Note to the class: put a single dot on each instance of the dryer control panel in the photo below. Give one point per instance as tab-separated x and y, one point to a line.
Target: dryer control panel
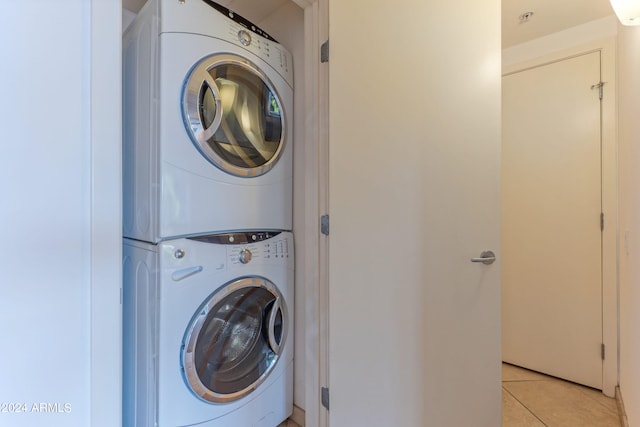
239	19
270	51
255	39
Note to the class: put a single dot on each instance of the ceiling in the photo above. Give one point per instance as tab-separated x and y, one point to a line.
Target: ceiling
549	16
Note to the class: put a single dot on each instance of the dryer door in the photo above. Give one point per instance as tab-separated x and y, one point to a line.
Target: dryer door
233	115
234	340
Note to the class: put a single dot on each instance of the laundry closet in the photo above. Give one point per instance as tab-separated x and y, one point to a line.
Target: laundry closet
252	203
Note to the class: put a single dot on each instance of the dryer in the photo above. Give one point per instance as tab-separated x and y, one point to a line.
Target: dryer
208	105
208	332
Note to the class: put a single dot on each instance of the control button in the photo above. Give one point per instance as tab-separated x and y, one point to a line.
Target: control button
244	37
245	256
231	239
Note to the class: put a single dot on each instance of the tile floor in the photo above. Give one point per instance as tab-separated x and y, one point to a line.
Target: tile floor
288	423
530	399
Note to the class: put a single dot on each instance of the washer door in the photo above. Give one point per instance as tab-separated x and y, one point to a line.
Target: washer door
234	340
233	115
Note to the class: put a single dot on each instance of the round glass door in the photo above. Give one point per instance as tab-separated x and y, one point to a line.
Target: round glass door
234	340
234	115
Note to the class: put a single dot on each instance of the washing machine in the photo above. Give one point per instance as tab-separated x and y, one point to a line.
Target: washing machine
208	331
207	123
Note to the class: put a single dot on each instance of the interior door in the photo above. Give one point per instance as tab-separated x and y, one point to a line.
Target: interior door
552	272
414	194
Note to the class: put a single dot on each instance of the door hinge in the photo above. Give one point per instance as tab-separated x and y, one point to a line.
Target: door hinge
598	86
324	397
324	224
324	52
601	221
602	351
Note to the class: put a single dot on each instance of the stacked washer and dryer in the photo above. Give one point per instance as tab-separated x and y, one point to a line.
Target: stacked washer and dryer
208	249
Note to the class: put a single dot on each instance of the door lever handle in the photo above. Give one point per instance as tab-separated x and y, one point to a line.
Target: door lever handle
486	257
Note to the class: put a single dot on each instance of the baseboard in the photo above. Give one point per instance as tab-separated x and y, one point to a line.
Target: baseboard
297	416
621	412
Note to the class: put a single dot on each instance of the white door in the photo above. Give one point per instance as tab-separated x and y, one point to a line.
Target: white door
414	195
552	273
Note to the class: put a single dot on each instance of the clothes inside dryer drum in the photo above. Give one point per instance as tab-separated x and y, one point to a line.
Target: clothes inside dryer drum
241	117
249	133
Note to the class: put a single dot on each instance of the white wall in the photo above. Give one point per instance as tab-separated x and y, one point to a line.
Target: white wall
60	213
629	158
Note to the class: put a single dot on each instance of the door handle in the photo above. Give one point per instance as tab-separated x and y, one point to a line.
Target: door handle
486	257
274	342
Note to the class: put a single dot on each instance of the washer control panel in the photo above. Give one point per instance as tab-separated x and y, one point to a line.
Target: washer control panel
251	247
237	238
245	256
272	250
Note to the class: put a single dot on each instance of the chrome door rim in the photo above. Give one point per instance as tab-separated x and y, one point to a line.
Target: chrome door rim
196	78
195	326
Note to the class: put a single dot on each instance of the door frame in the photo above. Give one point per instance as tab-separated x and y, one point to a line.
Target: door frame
607	48
316	193
102	23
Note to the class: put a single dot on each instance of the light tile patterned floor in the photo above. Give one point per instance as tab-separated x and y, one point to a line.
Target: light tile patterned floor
288	423
530	399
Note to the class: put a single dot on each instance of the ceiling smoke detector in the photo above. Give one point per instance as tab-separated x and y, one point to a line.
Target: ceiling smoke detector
525	17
